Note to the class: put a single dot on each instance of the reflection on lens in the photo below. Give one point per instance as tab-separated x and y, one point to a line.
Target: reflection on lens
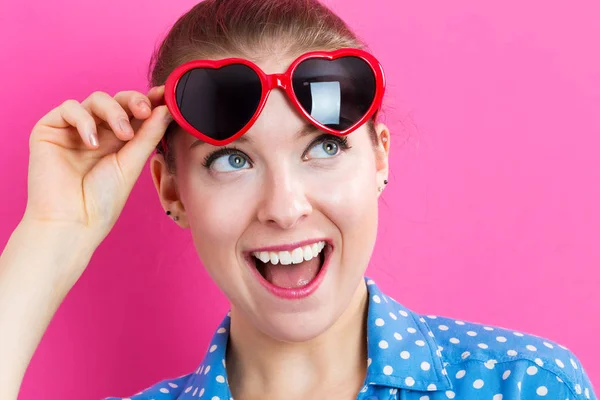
337	93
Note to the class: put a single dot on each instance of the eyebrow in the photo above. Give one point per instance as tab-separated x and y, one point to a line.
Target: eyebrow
306	130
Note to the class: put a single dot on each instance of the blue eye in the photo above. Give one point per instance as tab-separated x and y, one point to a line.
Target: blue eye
230	162
324	149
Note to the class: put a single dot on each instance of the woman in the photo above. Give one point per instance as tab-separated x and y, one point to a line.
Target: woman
280	195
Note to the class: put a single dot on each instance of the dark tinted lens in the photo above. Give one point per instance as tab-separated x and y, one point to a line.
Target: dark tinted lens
336	93
219	102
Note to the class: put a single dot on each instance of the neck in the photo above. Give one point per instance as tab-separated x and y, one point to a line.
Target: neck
259	366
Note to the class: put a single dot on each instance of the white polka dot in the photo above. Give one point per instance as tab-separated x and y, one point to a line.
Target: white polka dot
459	322
478	384
403	313
397	336
186	390
562	347
539	362
573	363
369	361
213	348
518	334
405	355
548	345
425	366
431	387
465	355
220	379
444	371
542	391
223	362
483	345
511	353
201	392
431	317
364	389
422	319
411	330
376	299
578	388
489	364
383	344
532	370
409	381
424	398
420	343
501	339
438	353
558	379
519	385
215	398
461	374
559	363
487	328
164	390
173	385
430	333
393	316
443	328
379	322
587	393
530	347
497	397
450	394
393	391
222	330
454	340
506	374
370	282
472	333
206	369
387	370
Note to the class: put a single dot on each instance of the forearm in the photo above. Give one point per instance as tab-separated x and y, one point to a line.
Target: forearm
38	267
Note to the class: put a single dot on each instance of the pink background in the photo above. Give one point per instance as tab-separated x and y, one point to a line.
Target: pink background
491	214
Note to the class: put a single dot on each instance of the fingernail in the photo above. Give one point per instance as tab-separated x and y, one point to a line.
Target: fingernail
125	127
168	118
144	106
94	139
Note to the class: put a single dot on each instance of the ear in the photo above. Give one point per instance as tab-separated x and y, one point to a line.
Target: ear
166	186
382	153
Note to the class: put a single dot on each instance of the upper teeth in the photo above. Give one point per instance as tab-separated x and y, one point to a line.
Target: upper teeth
296	256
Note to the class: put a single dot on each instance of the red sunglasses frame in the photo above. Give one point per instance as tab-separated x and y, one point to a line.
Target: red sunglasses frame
270	82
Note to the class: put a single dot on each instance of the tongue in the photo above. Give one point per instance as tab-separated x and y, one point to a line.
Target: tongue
293	275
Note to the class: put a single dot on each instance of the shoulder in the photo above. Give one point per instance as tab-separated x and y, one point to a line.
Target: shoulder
473	353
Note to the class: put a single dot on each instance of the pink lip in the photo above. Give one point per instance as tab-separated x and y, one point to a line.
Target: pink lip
294	293
289	247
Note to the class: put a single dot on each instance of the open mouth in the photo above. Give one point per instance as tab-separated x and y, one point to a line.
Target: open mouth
294	273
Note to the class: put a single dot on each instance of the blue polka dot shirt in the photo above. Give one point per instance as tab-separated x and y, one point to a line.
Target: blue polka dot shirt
414	357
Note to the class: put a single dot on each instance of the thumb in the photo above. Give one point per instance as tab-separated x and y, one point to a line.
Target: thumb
133	155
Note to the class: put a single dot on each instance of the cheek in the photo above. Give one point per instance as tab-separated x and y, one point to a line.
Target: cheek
348	197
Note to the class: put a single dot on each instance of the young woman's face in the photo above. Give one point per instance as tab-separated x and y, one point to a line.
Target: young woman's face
282	184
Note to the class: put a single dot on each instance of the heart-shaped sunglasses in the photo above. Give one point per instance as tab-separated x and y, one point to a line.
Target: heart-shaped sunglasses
218	101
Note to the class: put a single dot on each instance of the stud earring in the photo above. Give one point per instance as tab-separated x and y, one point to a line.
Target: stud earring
174	218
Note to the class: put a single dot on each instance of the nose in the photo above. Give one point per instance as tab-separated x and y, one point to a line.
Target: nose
284	203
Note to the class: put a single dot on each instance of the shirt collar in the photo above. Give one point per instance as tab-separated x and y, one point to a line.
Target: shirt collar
402	351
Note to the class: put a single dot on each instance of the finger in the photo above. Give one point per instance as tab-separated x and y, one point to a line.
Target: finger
72	114
133	156
134	103
156	95
108	109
